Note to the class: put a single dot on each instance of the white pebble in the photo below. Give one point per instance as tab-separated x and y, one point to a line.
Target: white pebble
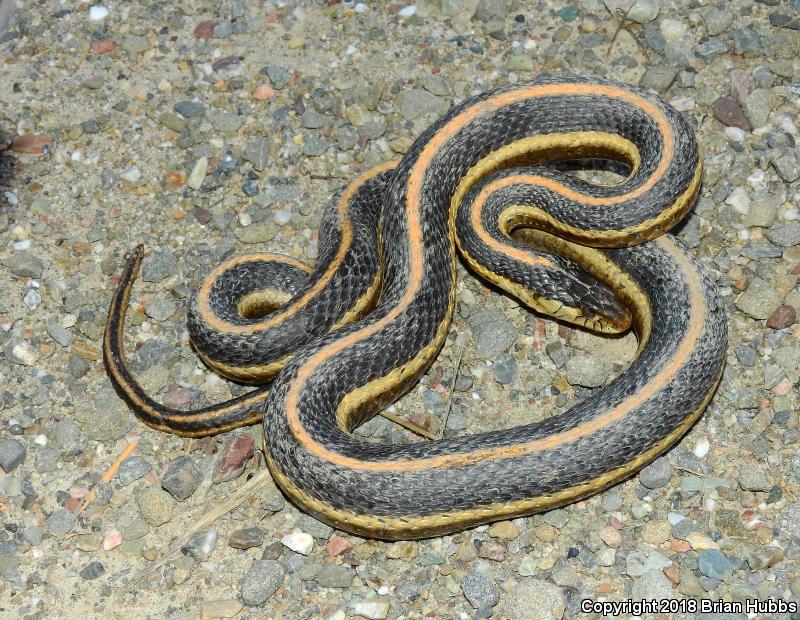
76	156
702	447
374	610
673	30
68	320
790	214
757	180
97	13
683	104
245	219
131	174
337	615
22	245
739	200
360	8
299	542
743	234
40	440
735	134
18	233
283	216
407	11
674	518
198	175
25	353
32	299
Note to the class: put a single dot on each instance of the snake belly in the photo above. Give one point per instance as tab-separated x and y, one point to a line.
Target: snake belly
480	179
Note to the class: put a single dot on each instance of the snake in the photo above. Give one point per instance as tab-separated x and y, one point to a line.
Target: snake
346	337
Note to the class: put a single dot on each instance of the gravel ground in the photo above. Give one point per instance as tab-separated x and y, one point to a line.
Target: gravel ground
208	129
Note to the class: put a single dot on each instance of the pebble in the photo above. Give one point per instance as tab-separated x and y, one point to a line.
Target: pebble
657	474
198	174
658	78
91	571
728	112
59	334
375	609
159	265
786	235
492	333
246	538
753	479
181	478
334	576
201	545
60	522
480	591
190	109
132	469
505	369
759	301
233	457
261	581
414	103
653	585
587	371
25	265
713	563
299	542
161	309
12	455
788	166
785	316
257	153
155	505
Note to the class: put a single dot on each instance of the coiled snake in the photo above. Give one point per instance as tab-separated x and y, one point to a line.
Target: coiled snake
375	309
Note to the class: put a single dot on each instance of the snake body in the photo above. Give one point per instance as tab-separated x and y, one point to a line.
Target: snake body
372	317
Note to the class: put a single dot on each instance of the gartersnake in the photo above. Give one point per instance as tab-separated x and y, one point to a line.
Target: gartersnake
386	267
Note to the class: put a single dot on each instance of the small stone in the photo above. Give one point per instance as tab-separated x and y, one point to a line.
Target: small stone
558	353
89	542
760	300
161	309
786	235
783	317
753	479
299	542
480	591
492	333
700	542
505	369
181	478
335	576
712	563
746	42
374	609
262	92
25	265
728	112
587	371
765	557
656	532
658	78
246	538
504	530
653	585
611	536
643	11
261	581
190	109
92	570
198	174
492	550
112	540
131	469
657	474
60	521
338	546
788	166
155	505
201	545
12	455
415	103
57	332
234	455
257	153
520	62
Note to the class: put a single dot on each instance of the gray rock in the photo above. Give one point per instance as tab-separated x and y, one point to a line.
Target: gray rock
161	308
758	106
246	538
713	563
760	300
159	266
319	530
335	576
505	369
59	522
657	474
786	235
480	591
77	366
111	417
558	353
45	459
257	153
658	78
261	581
133	468
492	333
788	166
181	478
25	265
190	109
155	505
587	371
746	42
93	570
227	122
12	455
717	19
760	248
278	76
60	334
314	145
417	102
535	598
753	479
67	436
201	545
313	120
653	585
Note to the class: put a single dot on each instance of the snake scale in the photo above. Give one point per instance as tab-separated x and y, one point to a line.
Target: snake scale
350	335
